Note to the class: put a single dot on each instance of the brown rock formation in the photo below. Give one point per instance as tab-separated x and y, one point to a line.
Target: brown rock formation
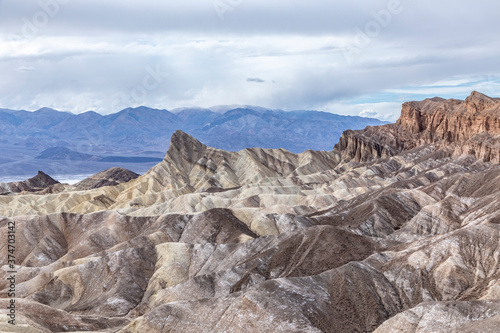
37	183
469	127
109	177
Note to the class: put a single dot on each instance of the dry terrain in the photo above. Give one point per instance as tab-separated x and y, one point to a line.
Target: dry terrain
395	230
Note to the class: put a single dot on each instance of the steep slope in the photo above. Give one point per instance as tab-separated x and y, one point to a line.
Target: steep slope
37	183
470	127
109	177
471	316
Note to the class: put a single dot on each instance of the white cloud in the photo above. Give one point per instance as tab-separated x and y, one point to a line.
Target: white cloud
94	55
369	113
386	111
25	69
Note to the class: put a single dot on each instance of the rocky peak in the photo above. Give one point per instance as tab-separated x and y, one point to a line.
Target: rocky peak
183	145
41	180
109	177
451	120
460	124
478	102
37	183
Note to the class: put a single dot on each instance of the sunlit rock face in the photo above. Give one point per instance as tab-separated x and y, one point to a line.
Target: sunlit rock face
470	127
395	230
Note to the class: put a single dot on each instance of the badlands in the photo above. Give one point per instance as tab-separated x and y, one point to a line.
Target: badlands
397	229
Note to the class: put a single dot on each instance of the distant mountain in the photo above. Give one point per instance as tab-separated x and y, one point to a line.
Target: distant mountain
66	154
130	159
144	128
295	131
62	143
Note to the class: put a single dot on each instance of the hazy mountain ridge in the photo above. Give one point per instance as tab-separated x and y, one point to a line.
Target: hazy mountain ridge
66	154
25	135
152	128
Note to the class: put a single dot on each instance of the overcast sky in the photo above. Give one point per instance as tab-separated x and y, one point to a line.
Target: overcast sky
359	57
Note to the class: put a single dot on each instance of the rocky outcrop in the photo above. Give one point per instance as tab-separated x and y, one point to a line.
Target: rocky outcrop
469	316
451	120
109	177
38	183
370	143
468	127
33	317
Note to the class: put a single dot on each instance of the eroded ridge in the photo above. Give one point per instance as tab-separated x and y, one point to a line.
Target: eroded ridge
395	230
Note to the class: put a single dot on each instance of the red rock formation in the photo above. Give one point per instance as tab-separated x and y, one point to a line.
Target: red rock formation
469	127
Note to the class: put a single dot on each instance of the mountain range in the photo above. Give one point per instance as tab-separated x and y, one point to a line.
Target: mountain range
66	154
396	229
145	132
234	129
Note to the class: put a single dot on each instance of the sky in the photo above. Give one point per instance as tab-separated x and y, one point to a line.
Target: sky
358	57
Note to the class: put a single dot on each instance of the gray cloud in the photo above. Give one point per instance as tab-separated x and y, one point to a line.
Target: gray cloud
325	55
413	19
255	79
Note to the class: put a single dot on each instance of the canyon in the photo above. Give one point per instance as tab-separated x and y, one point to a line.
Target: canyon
397	229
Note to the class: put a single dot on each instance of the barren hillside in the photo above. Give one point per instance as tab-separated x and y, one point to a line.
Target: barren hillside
395	230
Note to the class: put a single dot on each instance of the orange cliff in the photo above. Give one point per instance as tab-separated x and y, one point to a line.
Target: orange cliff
469	127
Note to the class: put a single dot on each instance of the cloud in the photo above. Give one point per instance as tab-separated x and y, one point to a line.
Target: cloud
255	79
369	114
108	56
386	111
25	69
